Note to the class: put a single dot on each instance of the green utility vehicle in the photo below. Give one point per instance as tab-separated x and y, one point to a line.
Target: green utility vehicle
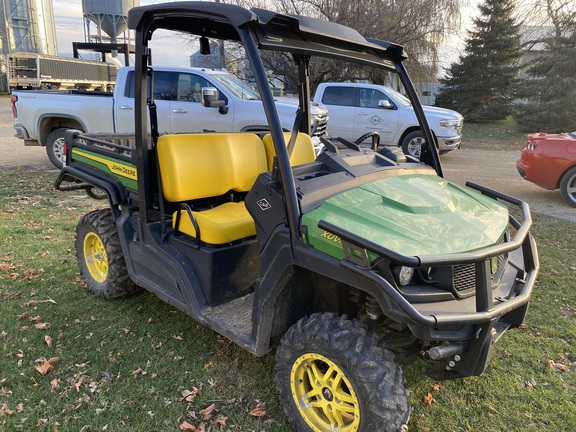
349	261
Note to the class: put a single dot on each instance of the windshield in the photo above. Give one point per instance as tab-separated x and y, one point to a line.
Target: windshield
236	87
399	98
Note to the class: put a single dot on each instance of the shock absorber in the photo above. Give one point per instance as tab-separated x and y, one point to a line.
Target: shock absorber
372	307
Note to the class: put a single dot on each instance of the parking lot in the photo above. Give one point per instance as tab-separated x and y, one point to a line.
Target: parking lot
490	165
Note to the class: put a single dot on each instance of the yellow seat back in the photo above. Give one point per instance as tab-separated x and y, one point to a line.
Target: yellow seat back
194	166
302	153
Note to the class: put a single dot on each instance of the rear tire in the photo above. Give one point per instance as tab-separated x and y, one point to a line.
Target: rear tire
55	147
100	257
332	375
568	187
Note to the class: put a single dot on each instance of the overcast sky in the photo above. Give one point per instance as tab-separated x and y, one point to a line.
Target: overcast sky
70	28
175	52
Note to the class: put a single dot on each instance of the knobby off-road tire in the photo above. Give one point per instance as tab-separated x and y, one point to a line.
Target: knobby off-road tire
100	257
568	187
332	376
55	146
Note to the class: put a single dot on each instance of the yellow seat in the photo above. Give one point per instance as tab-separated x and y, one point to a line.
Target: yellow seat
302	153
195	166
223	224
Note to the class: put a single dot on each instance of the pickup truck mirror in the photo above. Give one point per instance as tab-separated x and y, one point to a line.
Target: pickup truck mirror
385	103
210	98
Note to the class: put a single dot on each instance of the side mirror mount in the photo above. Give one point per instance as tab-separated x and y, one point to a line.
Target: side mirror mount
204	46
210	98
385	103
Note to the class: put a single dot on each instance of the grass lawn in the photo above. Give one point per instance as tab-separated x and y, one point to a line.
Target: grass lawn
504	133
72	362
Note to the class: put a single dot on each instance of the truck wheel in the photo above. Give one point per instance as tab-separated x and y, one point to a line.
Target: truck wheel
55	147
568	187
100	257
333	376
412	143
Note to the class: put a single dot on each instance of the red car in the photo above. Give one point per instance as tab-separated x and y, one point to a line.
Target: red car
549	160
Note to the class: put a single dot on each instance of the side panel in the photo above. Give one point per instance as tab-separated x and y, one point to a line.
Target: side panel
36	109
121	170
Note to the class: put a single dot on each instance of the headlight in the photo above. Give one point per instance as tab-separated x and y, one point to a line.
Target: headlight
449	123
403	275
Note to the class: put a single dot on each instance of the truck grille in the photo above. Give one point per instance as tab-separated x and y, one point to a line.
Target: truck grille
319	124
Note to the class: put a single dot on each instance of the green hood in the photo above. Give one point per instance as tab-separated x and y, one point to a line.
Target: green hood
414	215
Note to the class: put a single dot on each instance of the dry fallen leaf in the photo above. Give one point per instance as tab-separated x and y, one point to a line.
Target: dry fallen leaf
138	371
187	427
259	410
221	421
48	340
42	326
436	387
45	367
189	396
54	384
207	412
557	367
428	399
5	410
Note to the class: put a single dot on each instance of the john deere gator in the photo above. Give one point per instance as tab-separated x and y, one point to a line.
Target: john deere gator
347	258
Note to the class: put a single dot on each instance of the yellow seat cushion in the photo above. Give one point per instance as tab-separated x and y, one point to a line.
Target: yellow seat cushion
223	224
196	166
302	153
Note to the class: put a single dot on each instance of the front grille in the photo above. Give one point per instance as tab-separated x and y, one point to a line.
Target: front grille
319	125
464	277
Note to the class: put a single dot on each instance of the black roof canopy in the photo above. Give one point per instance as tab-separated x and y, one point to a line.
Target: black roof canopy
274	31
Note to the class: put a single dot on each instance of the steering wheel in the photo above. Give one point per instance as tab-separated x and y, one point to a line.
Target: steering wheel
375	139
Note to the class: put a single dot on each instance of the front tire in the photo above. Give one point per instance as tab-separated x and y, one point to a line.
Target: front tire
100	257
332	375
412	144
568	187
56	147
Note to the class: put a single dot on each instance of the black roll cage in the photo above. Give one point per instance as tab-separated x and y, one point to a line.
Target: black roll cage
258	29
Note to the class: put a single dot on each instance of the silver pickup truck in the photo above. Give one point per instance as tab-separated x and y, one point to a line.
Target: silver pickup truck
41	118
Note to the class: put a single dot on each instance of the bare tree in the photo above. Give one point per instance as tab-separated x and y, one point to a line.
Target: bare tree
419	25
560	15
548	91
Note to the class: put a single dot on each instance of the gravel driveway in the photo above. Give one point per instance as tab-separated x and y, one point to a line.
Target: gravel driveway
490	165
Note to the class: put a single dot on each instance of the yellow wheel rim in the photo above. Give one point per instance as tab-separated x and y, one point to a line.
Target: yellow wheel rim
95	257
324	396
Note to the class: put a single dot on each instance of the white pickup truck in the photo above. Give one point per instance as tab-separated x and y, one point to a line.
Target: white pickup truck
41	118
358	108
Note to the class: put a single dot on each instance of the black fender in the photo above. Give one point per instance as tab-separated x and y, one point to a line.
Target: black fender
72	177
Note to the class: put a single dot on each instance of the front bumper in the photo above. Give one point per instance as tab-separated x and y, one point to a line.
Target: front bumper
447	144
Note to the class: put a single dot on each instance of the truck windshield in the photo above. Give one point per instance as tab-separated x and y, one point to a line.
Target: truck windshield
236	87
399	98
